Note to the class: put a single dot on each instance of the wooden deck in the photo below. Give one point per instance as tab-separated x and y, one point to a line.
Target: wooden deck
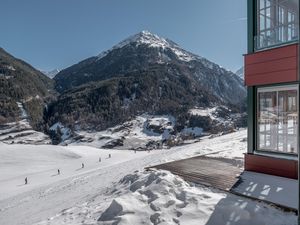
213	172
220	173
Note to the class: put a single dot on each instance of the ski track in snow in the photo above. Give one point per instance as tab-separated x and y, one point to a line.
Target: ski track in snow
81	196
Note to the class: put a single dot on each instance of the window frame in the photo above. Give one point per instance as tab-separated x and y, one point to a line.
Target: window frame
276	88
280	33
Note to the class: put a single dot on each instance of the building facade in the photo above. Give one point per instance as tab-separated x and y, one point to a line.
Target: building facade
272	80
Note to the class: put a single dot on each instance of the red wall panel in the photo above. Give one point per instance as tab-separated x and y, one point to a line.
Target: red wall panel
271	66
270	165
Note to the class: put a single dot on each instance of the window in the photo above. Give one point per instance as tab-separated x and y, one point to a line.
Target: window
277	119
277	22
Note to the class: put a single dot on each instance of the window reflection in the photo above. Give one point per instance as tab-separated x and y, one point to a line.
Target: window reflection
277	22
277	119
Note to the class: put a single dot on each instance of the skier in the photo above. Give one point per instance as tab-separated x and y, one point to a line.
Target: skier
109	155
26	181
58	172
99	159
82	165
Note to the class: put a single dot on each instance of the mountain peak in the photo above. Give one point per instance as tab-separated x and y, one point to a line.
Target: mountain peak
147	37
154	41
51	74
146	33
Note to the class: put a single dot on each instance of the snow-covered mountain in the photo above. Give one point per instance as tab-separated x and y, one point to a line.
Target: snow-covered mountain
51	74
147	74
144	51
241	73
154	41
143	75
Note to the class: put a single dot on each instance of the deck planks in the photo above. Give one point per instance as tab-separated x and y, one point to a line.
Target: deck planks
218	173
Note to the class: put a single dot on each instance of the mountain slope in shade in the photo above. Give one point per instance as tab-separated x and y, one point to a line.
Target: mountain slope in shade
20	82
144	51
143	74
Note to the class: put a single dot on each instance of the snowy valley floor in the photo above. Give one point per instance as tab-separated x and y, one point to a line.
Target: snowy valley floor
118	191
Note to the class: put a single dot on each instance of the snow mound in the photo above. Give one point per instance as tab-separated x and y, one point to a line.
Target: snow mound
159	197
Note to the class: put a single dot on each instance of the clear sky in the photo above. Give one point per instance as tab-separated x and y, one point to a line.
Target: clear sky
53	34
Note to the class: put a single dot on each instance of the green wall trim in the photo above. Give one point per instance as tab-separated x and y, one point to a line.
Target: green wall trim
251	118
251	24
250	90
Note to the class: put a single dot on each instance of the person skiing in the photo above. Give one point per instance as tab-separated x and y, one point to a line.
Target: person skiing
82	165
99	159
58	172
109	155
26	181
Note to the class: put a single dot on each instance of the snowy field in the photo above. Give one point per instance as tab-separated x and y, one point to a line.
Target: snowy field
118	191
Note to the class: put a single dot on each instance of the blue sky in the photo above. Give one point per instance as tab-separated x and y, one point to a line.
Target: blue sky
53	34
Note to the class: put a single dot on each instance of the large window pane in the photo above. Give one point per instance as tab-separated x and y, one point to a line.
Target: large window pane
277	22
277	119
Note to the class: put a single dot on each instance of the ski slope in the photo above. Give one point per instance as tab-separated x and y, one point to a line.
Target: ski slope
117	190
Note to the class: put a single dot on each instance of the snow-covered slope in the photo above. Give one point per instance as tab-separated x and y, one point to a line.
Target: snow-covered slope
118	191
140	133
21	132
146	132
